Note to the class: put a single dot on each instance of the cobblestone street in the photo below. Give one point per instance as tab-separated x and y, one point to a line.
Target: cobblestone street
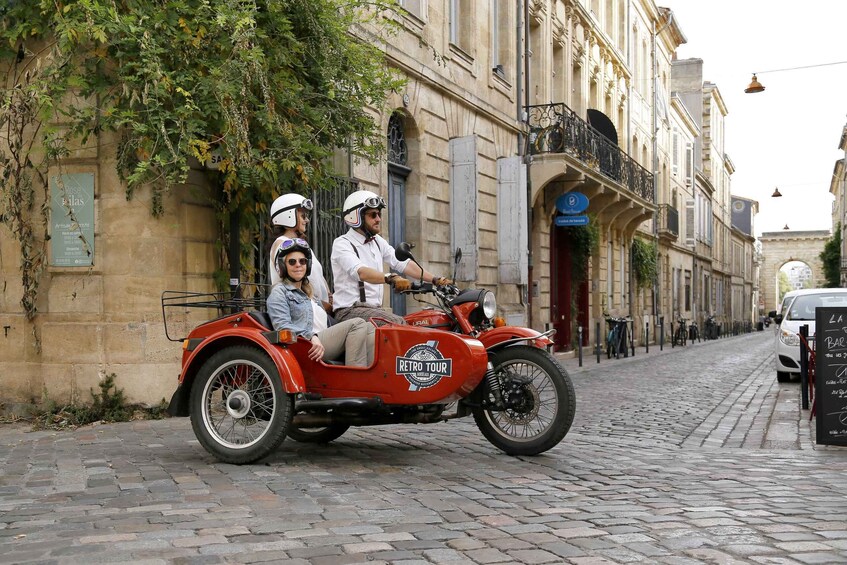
688	455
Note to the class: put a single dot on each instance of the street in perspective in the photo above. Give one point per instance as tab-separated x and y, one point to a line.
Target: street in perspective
690	454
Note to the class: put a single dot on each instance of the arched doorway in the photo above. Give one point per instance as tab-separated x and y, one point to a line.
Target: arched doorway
569	288
398	172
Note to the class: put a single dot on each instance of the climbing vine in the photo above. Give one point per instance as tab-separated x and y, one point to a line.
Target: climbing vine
645	262
269	88
584	241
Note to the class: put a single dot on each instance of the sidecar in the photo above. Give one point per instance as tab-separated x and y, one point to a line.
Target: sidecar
247	387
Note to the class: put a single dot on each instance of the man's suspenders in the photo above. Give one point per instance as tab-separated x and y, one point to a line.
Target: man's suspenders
361	282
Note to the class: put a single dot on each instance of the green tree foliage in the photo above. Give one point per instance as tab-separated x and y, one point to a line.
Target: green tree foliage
831	258
783	283
273	87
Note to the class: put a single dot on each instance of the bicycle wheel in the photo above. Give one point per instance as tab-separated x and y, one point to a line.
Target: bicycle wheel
610	341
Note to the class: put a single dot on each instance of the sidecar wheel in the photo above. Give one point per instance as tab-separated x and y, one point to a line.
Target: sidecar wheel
239	410
540	398
316	435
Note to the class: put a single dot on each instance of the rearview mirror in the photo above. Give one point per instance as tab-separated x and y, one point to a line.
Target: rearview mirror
403	252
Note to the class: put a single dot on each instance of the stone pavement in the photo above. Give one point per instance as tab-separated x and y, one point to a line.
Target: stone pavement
692	455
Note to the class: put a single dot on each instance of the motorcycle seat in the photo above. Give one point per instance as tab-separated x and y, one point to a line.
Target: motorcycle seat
263	318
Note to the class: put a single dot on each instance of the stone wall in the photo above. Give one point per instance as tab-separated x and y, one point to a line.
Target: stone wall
106	319
778	248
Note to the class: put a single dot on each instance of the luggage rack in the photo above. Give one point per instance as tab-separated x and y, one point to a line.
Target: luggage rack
245	297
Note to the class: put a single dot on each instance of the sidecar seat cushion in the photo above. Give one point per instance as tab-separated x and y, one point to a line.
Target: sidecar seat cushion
263	318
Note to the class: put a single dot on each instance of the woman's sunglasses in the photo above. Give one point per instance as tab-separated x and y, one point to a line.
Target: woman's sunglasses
292	261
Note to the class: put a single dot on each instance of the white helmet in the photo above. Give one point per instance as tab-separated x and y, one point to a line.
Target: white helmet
356	203
284	209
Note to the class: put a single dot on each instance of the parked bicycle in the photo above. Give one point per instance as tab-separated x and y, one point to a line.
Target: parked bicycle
617	340
693	332
681	333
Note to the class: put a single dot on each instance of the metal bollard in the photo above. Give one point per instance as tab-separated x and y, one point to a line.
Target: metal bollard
579	338
598	342
662	333
647	338
673	341
632	337
804	367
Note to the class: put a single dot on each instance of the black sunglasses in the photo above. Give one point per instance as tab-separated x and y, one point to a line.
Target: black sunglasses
292	261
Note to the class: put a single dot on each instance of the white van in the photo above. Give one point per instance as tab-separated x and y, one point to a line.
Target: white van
797	311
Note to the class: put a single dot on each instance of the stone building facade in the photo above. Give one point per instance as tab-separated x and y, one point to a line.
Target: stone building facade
507	108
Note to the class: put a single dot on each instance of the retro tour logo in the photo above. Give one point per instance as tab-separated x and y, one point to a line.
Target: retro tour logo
424	366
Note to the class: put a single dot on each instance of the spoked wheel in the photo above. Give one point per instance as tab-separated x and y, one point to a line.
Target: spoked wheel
539	402
316	435
239	410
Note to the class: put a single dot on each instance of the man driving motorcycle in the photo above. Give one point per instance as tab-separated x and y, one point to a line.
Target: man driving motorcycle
357	262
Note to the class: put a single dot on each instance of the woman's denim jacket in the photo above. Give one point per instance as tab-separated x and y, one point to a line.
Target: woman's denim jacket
290	309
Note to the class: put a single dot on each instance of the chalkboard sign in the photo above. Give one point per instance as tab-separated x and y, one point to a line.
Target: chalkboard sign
831	375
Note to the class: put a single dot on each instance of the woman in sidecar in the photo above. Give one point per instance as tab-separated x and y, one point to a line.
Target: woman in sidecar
292	306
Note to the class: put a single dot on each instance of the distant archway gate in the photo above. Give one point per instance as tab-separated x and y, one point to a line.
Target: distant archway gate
778	248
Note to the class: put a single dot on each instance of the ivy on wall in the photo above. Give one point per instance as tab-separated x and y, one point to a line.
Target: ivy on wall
272	87
645	262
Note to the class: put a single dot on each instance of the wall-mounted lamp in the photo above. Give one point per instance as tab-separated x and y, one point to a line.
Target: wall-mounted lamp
776	193
786	227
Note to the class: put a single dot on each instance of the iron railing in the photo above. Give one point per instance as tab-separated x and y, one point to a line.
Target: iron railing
668	219
555	128
327	223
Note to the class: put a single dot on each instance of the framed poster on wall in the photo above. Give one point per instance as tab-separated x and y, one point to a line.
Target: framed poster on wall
72	220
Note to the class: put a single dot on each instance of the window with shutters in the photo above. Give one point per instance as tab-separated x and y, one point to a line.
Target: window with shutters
687	290
512	234
463	204
690	222
502	41
689	165
675	156
415	7
460	29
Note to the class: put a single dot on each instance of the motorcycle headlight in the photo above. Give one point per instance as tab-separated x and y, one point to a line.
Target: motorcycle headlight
489	305
790	339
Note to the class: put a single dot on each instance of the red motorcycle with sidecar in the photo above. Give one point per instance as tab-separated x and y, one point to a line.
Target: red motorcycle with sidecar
246	387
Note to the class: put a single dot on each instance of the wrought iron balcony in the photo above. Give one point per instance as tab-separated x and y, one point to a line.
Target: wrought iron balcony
555	128
668	221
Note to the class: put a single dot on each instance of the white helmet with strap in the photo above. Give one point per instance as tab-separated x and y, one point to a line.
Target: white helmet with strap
284	209
357	203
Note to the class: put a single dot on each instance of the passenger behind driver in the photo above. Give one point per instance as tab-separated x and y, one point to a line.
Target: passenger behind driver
290	218
292	306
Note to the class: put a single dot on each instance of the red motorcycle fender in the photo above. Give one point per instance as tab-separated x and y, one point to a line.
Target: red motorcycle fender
287	365
494	337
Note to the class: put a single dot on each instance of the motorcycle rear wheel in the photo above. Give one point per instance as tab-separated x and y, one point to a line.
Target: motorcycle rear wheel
549	403
239	409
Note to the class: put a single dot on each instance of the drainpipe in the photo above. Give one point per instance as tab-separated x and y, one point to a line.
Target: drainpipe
655	143
523	29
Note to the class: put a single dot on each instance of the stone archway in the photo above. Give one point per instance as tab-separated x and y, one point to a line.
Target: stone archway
778	248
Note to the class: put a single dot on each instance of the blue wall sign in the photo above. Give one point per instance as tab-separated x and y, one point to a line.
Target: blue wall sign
572	203
571	221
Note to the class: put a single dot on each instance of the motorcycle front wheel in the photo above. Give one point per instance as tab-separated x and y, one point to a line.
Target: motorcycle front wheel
540	402
239	410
